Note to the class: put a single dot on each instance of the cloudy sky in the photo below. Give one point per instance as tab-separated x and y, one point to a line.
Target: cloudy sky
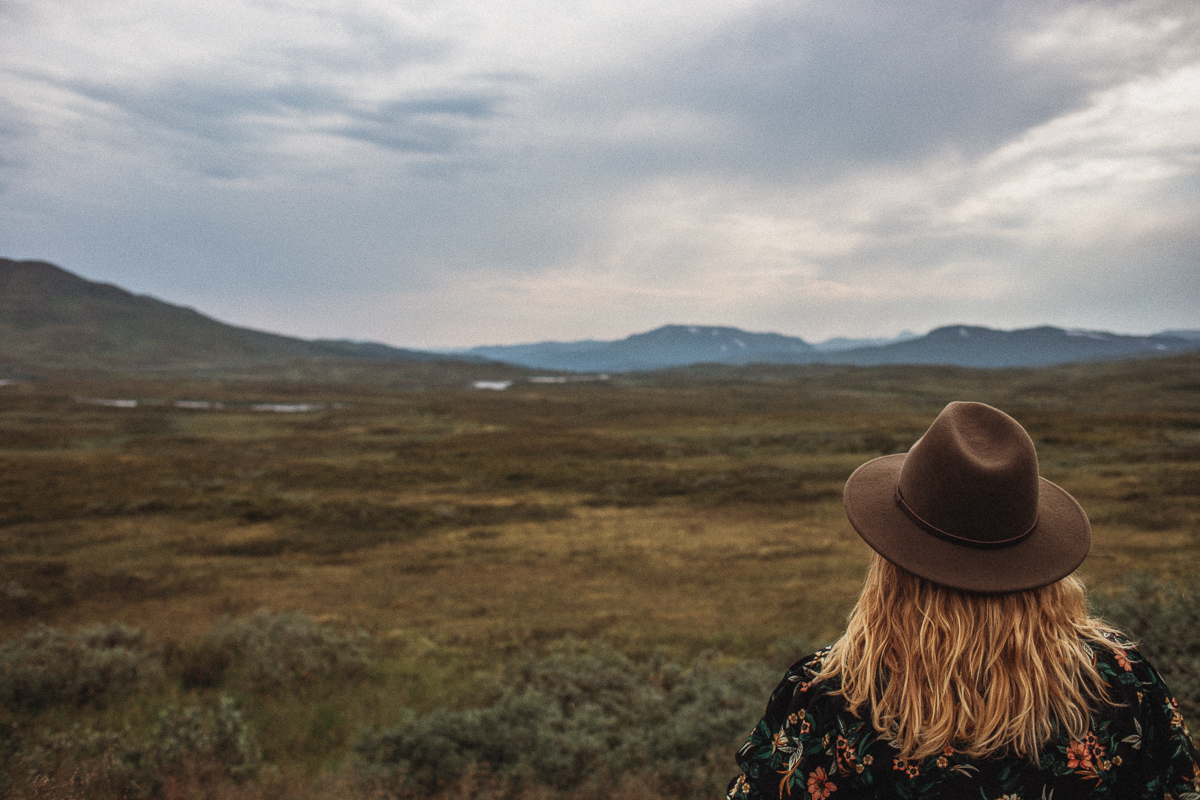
438	173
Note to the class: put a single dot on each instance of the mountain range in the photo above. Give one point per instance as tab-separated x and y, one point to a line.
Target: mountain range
959	345
50	317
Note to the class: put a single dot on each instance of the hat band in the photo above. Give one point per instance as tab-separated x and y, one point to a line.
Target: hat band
999	544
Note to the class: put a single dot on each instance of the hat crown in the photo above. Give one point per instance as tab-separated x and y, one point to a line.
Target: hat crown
973	475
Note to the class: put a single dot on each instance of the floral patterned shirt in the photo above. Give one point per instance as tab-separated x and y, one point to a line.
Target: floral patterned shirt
808	746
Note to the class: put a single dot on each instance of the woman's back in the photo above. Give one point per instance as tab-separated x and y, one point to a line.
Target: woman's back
970	667
810	745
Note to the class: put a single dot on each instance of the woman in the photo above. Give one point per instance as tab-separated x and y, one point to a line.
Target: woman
969	667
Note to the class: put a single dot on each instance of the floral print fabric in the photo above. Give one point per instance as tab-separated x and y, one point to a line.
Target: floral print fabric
808	746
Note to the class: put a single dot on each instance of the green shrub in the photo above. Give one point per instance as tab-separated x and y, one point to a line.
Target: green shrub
583	716
47	666
193	744
216	736
1164	619
271	652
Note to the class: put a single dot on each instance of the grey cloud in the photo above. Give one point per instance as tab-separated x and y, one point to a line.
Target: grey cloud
210	108
463	105
12	126
799	94
210	126
815	88
376	47
223	121
318	236
212	112
434	124
424	139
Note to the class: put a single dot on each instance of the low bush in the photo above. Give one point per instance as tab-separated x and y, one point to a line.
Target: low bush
271	652
578	717
192	745
1164	620
214	737
47	666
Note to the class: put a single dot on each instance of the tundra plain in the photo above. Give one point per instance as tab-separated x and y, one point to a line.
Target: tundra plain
687	513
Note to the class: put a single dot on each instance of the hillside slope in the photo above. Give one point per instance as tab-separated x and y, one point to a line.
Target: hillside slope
51	317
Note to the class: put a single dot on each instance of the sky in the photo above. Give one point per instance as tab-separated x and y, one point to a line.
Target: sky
448	173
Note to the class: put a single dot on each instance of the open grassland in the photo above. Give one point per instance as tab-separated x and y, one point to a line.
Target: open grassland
689	513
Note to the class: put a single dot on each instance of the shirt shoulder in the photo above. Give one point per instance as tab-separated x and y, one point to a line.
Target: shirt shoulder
1149	719
799	686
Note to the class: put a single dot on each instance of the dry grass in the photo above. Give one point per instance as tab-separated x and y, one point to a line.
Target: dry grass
687	511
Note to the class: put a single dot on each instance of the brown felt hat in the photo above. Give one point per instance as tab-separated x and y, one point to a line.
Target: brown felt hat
966	508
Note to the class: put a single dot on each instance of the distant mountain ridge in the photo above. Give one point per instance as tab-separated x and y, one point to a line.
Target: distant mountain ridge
956	345
668	346
1046	345
51	317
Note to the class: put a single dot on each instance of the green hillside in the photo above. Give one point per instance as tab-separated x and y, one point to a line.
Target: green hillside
52	318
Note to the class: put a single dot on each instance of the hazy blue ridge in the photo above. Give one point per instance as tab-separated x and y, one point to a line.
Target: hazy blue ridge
954	345
667	346
974	346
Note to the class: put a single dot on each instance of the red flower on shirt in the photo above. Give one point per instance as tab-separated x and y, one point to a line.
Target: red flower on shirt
1079	755
819	785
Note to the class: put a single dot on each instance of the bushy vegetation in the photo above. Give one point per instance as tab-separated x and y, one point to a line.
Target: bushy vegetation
579	717
47	666
47	670
195	744
269	652
1164	620
579	720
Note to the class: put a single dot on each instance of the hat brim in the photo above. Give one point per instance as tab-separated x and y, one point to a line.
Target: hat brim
1058	544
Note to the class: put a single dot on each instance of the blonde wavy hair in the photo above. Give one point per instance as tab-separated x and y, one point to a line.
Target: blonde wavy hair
987	675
